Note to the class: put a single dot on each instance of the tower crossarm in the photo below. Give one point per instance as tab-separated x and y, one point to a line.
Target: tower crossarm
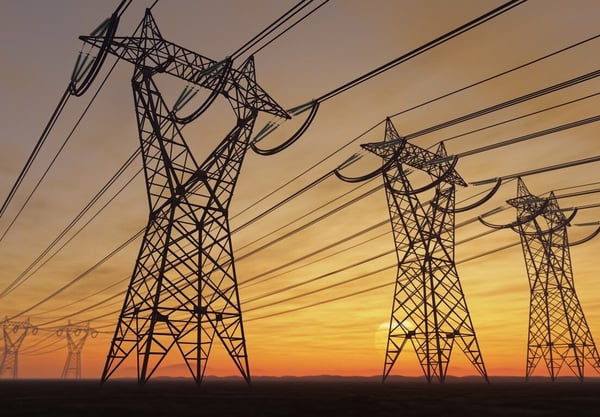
418	158
528	203
189	66
530	206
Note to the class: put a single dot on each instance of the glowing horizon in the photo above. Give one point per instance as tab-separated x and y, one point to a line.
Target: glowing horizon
316	327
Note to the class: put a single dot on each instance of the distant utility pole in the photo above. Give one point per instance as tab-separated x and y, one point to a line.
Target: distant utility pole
558	331
14	333
183	292
76	337
429	308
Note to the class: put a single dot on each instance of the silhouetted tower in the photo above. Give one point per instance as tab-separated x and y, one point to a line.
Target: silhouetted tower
183	291
76	336
558	331
14	333
429	308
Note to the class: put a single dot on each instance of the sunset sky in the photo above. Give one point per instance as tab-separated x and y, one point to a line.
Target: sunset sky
302	330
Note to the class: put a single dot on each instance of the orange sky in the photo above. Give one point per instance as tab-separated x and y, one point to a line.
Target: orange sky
341	41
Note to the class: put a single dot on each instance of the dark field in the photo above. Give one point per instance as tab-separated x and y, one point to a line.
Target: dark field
300	397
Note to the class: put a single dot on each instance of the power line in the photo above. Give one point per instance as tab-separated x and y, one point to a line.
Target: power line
313	211
493	77
579	43
275	25
291	26
294	297
477	256
56	155
70	90
438	98
269	29
562	85
481	129
30	271
529	136
316	220
316	252
44	352
467	153
81	276
505	104
327	157
78	278
19	279
385	253
464	223
337	243
284	201
41	344
313	105
377	287
554	167
36	149
243	256
423	48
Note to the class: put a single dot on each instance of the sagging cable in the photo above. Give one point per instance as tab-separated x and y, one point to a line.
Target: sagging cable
313	106
216	77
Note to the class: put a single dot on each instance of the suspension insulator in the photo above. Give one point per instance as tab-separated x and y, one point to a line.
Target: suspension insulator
223	69
313	106
87	69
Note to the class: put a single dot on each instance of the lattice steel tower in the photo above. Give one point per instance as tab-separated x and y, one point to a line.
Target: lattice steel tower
14	333
558	331
76	336
183	291
429	307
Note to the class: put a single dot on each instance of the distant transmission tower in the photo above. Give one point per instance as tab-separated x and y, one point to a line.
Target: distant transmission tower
76	337
14	333
558	331
183	291
429	307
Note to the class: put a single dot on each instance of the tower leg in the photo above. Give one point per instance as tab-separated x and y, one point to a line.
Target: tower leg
14	334
559	335
429	308
183	293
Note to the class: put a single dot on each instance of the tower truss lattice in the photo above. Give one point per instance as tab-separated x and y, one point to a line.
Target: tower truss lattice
14	333
76	336
429	309
183	292
559	336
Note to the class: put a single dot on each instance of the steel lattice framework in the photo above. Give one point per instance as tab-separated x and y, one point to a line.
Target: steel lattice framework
183	292
429	307
14	333
76	336
558	331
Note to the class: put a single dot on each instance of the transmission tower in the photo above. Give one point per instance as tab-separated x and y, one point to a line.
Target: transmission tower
429	307
183	292
558	331
76	337
14	333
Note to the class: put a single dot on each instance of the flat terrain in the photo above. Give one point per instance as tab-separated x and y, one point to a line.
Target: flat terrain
324	396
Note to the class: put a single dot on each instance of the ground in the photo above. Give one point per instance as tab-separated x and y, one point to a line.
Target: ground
324	396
